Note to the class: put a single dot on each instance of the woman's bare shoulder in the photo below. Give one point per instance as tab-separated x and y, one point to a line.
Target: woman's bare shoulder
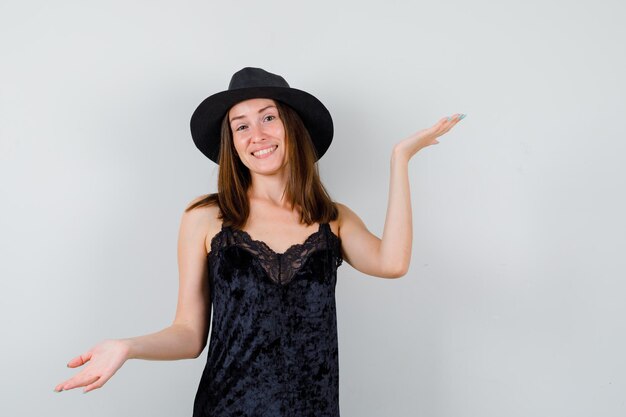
204	218
347	219
343	211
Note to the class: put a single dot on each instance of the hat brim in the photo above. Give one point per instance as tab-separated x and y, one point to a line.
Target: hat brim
206	120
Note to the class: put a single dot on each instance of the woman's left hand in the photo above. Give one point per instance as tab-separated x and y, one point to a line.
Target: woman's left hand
426	137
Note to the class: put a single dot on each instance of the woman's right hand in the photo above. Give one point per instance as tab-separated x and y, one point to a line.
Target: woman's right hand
101	362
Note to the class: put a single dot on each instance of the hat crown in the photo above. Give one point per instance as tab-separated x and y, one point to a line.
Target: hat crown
255	77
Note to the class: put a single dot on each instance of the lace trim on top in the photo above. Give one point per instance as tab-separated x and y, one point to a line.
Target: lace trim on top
281	267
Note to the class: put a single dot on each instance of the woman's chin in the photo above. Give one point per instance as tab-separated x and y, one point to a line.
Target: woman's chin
269	169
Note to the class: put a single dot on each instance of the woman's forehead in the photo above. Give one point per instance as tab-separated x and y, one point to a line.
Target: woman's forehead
252	105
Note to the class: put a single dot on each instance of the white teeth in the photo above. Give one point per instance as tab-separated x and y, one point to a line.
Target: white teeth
264	151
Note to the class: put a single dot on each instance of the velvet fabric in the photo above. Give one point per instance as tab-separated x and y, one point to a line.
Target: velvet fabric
273	348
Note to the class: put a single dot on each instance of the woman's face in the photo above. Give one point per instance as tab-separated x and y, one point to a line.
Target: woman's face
258	135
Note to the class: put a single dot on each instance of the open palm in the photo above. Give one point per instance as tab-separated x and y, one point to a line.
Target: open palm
101	362
426	137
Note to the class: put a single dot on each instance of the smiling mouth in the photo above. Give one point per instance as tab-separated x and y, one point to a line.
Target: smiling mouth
263	152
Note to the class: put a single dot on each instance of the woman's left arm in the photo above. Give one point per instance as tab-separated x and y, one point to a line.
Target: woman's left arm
390	256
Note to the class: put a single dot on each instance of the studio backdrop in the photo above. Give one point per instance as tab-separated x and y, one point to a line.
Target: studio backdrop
513	303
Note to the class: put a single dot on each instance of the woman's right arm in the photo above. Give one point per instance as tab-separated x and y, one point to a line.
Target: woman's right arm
185	338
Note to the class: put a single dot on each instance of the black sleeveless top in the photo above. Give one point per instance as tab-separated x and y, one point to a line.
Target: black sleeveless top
273	342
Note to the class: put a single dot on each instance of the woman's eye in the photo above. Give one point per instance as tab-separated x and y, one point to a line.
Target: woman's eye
270	117
240	127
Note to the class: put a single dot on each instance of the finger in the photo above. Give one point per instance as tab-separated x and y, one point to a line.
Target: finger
457	118
60	387
436	128
79	360
79	380
444	123
97	384
448	126
453	120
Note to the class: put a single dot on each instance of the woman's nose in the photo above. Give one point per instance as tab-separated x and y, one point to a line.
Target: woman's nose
257	133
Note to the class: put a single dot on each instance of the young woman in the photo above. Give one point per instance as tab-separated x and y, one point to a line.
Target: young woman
262	254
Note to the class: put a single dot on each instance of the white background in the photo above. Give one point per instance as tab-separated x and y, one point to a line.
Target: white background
514	301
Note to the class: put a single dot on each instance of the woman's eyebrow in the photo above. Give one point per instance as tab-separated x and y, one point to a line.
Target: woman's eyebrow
260	111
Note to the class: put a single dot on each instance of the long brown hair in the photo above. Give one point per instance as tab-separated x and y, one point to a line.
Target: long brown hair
304	189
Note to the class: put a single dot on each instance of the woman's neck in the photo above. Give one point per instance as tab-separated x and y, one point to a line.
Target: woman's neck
269	188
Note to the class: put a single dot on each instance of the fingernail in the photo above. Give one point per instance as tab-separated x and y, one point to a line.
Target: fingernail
462	116
449	118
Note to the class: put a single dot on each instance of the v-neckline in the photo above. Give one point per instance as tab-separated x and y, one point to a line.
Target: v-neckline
292	247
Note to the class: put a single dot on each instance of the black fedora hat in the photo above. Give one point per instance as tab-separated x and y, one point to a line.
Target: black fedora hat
250	83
